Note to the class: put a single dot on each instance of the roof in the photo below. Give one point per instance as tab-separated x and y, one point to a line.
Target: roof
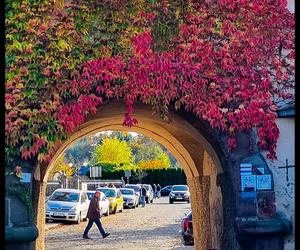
286	108
68	190
112	188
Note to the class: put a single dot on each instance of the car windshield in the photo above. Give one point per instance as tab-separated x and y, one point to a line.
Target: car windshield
65	196
108	192
90	195
126	191
135	188
180	188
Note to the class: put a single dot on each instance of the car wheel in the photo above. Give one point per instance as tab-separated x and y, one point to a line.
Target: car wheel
79	219
170	201
188	201
115	210
47	220
151	201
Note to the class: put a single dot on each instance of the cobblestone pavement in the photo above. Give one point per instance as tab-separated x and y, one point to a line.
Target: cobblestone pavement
154	227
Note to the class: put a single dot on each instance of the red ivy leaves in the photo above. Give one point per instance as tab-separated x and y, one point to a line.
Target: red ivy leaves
227	63
219	67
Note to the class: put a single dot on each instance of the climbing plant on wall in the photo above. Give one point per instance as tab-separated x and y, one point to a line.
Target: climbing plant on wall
227	61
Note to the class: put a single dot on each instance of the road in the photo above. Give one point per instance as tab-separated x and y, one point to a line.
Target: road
155	226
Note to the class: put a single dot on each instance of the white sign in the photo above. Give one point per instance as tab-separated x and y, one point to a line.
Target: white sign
263	182
128	173
248	182
25	177
246	168
95	172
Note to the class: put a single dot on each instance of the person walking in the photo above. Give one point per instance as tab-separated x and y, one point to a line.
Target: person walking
154	191
158	190
143	195
93	215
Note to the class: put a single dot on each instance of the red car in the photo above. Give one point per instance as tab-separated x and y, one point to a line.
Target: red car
186	230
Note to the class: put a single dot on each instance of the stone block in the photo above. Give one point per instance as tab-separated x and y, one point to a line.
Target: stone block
266	207
19	213
247	204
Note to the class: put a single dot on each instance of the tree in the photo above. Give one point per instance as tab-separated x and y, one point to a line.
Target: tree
80	152
61	165
115	153
139	175
152	157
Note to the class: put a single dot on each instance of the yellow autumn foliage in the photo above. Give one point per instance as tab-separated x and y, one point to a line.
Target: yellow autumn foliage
60	165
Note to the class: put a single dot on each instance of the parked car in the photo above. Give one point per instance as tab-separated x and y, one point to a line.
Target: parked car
165	191
67	205
186	230
136	188
115	199
149	195
130	200
103	203
179	193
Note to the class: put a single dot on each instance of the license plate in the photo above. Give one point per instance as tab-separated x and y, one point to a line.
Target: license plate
59	214
179	198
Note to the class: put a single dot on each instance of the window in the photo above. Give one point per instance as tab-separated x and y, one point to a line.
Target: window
127	191
108	192
179	188
64	196
83	198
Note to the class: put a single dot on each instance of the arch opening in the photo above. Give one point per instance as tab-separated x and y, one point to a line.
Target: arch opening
195	155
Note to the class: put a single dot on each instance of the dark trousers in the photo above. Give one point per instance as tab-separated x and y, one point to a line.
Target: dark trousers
90	224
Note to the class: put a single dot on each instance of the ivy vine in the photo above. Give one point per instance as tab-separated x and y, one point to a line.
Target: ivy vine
21	192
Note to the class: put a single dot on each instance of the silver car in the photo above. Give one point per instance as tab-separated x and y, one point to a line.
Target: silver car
149	195
179	193
67	205
129	198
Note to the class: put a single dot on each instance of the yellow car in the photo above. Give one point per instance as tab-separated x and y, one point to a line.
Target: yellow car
115	199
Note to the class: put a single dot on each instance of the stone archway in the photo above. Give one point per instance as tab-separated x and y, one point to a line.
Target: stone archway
195	154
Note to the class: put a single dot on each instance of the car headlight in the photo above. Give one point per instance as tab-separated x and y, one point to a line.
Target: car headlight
73	209
172	194
47	208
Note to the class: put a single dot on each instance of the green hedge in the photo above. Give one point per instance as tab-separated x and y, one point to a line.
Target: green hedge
163	177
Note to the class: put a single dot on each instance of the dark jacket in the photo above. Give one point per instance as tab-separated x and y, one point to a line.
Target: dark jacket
94	209
143	191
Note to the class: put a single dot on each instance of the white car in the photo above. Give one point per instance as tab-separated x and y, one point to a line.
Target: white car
67	205
130	199
103	203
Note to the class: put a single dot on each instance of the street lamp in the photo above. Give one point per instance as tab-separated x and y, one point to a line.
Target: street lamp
63	177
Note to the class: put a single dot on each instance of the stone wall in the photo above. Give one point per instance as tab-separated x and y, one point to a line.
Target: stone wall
284	189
